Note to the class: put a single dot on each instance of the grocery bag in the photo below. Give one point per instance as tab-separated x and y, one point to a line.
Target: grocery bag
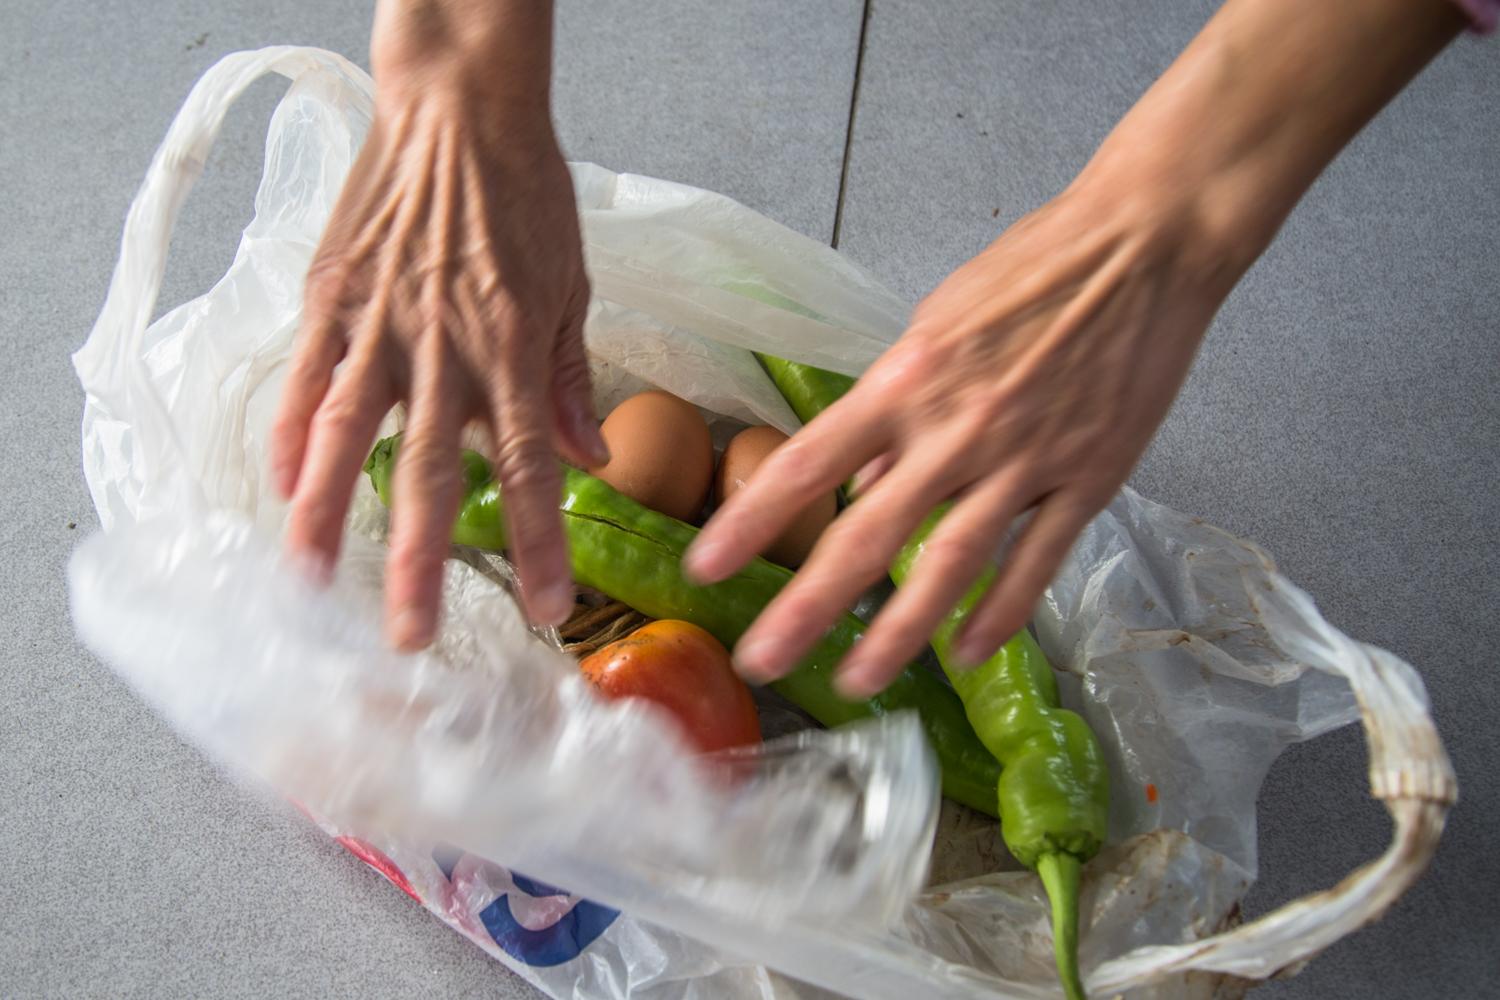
576	840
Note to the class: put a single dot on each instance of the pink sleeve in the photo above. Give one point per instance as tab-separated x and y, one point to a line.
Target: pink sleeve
1483	14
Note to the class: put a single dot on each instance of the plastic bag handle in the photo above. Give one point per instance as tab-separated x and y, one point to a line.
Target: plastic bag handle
1409	771
136	282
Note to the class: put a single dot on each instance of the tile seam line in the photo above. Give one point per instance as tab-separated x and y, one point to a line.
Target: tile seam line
859	65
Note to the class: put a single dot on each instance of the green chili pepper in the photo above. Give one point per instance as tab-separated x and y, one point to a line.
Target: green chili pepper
807	390
634	555
1054	790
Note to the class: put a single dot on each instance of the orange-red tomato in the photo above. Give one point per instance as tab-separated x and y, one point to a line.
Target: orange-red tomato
686	671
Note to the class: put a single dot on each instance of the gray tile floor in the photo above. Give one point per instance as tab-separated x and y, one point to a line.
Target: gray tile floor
1343	413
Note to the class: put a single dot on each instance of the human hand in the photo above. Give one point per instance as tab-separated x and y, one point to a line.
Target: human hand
1034	376
450	276
1031	379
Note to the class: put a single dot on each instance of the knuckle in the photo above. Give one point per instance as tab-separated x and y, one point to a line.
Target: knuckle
304	367
800	466
996	620
507	373
948	553
513	317
1081	505
1049	552
525	463
904	635
487	286
495	378
308	369
897	620
990	420
417	554
915	365
896	528
315	515
425	465
1006	624
1075	442
436	318
327	279
1020	584
340	416
289	424
926	312
862	556
572	373
800	616
999	425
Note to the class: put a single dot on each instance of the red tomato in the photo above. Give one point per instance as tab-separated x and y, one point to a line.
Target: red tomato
686	671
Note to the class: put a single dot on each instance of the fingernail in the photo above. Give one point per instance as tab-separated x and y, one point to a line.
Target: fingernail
586	433
315	567
411	630
552	604
598	454
970	651
698	561
854	685
759	658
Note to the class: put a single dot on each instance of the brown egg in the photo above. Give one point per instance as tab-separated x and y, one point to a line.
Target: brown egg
742	456
660	453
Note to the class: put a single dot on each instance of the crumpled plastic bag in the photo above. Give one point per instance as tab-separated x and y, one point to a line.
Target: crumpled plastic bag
791	871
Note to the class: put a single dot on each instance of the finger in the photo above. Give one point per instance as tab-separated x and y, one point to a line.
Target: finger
341	433
815	461
1026	572
958	550
575	425
360	225
319	350
530	482
868	475
853	553
427	488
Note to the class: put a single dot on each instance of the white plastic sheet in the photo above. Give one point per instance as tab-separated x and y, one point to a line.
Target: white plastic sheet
1195	662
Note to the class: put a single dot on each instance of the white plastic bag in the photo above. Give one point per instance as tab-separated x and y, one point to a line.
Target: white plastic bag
1195	662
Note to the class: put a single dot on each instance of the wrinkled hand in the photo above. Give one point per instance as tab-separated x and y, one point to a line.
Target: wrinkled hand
451	277
1030	380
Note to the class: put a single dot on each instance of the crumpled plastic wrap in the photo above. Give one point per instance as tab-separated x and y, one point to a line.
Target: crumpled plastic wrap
470	773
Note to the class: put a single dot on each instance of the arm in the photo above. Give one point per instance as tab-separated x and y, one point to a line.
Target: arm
451	277
1263	100
1034	376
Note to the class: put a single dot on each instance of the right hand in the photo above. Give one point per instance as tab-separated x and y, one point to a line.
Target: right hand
451	276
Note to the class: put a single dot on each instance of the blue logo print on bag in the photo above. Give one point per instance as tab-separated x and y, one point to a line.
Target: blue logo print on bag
561	941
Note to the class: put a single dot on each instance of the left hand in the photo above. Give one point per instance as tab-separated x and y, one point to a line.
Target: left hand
1030	380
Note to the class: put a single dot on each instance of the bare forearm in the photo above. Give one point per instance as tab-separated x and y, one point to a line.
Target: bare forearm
1263	100
499	51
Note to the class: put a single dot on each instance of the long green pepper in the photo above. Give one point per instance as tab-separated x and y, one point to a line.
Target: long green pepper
634	555
1054	790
